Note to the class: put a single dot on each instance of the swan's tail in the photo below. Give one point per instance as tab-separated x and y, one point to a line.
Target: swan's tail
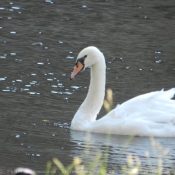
169	94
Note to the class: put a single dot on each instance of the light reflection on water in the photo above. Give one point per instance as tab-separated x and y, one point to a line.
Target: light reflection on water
39	44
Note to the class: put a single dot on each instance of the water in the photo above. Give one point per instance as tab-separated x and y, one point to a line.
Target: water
39	43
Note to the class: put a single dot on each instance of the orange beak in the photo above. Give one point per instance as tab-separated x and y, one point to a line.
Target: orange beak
77	69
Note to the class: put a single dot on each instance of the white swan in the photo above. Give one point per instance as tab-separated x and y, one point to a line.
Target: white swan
151	114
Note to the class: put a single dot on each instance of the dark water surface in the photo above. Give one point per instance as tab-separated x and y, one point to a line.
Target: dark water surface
39	42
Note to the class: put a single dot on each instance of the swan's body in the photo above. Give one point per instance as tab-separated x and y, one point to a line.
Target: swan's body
151	114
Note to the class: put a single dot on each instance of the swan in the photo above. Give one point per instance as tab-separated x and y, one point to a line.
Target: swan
150	114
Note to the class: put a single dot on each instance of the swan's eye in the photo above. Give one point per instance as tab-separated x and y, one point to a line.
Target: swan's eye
81	60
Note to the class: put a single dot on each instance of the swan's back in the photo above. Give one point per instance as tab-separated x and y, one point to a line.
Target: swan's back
159	102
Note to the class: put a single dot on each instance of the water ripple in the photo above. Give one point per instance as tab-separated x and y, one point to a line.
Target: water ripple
158	52
33	93
68	93
49	1
40	63
17	136
2	57
75	87
33	74
158	61
2	8
49	79
37	43
28	85
54	92
16	8
50	73
69	57
2	79
25	89
13	32
6	90
18	80
54	86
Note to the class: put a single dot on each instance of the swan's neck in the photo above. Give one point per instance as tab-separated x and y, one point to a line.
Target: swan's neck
93	102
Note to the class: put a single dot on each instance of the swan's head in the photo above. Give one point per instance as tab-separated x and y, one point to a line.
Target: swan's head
86	58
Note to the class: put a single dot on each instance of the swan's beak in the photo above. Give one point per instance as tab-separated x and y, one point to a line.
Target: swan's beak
79	66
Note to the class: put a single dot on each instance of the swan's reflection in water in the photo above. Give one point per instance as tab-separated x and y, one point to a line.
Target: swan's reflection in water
148	150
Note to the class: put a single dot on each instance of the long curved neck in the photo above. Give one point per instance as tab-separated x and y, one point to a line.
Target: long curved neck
93	102
94	99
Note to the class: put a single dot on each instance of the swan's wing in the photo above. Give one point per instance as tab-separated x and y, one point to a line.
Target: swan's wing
154	106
